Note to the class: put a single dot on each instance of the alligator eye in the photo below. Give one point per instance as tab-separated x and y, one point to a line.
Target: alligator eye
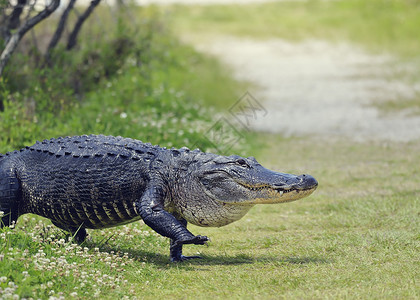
242	163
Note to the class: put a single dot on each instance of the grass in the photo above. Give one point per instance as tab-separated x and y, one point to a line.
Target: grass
378	25
410	107
356	237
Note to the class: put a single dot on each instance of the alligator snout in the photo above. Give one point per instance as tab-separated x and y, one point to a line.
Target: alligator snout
307	182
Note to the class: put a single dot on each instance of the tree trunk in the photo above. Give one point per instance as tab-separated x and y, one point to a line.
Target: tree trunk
14	19
72	41
60	28
14	39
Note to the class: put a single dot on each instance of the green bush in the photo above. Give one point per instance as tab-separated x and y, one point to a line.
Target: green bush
133	79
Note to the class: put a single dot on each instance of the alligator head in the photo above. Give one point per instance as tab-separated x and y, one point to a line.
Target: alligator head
237	180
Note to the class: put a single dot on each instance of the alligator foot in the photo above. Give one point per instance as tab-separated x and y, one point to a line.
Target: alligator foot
184	258
79	236
176	248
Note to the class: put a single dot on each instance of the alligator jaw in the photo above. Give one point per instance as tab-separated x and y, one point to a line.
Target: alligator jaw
267	194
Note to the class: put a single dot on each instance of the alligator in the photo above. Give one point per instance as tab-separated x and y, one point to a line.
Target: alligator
96	181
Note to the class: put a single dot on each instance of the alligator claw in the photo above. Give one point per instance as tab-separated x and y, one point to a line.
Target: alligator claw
197	240
184	258
206	242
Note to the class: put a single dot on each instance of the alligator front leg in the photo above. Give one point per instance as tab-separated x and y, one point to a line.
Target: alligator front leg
151	210
176	247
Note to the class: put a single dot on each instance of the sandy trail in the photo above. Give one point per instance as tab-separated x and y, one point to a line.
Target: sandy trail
314	87
317	88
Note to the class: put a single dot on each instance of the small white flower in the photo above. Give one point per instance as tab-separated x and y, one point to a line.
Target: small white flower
12	225
123	115
1	213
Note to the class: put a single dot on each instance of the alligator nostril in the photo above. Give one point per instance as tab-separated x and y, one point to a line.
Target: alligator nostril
309	180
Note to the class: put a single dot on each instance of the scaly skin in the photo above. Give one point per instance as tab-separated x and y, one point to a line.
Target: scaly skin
102	181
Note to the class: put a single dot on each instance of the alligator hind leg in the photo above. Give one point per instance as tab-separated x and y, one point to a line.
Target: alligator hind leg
78	233
9	198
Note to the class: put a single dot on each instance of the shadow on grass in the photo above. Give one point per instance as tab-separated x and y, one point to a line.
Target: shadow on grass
246	259
163	260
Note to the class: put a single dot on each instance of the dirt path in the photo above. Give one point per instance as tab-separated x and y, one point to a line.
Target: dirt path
317	88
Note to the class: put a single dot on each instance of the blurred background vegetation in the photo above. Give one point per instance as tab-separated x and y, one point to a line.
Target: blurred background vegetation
128	75
380	26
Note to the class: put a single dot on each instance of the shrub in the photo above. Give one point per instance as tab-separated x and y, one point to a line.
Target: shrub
134	79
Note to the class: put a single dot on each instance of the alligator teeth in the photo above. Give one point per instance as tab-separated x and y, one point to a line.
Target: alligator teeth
281	193
252	188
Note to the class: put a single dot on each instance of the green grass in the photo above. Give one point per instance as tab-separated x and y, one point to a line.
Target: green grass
379	25
356	237
411	107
